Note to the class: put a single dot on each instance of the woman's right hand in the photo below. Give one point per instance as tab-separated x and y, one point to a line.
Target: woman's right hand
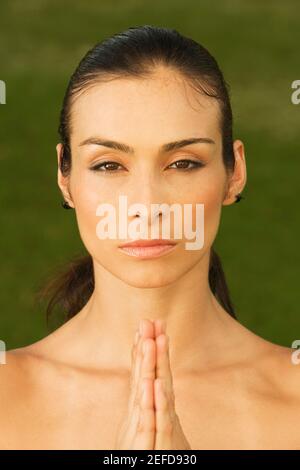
137	430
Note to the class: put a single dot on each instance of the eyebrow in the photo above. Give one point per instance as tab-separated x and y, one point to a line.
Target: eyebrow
164	148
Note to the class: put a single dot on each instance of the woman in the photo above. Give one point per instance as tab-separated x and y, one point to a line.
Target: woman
204	381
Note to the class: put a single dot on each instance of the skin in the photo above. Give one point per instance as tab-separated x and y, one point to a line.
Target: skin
151	421
223	387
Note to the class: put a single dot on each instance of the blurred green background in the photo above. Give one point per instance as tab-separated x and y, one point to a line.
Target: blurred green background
256	45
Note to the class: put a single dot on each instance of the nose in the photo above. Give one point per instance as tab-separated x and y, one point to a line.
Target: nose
147	194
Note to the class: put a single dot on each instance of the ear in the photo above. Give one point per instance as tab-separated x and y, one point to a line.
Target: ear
63	181
238	177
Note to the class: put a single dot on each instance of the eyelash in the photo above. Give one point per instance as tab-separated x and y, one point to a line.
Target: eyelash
195	167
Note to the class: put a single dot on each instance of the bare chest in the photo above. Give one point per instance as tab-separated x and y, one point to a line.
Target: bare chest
90	419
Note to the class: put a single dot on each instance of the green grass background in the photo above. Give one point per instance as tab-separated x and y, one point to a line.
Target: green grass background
257	46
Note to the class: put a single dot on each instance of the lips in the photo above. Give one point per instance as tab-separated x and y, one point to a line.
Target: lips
145	243
148	248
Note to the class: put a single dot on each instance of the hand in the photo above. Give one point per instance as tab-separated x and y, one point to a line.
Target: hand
151	422
169	433
137	430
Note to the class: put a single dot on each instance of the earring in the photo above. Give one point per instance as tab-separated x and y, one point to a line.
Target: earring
239	197
66	205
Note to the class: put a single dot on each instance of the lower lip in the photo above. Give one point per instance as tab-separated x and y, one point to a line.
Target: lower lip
147	251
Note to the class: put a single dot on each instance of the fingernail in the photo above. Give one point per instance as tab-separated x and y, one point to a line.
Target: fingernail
144	348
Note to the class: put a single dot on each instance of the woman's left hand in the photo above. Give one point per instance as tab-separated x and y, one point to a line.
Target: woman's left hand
169	433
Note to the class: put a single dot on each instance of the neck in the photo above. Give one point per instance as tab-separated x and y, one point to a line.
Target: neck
195	322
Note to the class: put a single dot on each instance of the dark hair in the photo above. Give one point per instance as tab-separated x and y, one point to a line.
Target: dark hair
135	53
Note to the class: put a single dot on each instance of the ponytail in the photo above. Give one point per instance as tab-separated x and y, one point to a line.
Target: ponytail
218	283
70	289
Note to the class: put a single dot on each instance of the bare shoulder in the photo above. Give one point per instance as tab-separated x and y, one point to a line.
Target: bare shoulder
23	378
15	378
268	385
26	369
14	389
282	365
12	373
33	390
270	367
271	374
266	372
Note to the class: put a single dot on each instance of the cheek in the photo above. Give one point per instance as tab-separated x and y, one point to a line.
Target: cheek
212	214
209	192
211	198
88	192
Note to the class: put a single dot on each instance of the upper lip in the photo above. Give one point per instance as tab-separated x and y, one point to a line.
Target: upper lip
152	242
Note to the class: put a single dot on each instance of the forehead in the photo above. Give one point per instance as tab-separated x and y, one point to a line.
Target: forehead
152	110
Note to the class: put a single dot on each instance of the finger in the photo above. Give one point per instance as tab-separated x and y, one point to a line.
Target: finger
163	421
147	368
127	425
139	431
145	330
135	367
133	356
169	433
143	418
163	367
160	326
145	431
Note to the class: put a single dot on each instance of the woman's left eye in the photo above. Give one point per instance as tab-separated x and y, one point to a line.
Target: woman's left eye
183	164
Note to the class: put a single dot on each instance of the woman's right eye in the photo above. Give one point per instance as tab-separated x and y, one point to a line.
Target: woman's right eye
108	167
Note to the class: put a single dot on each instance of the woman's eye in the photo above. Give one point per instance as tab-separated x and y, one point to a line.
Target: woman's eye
183	164
108	167
111	167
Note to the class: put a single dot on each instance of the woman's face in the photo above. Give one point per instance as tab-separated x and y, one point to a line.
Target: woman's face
145	115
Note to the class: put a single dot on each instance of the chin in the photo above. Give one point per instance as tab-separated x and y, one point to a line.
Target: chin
147	278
